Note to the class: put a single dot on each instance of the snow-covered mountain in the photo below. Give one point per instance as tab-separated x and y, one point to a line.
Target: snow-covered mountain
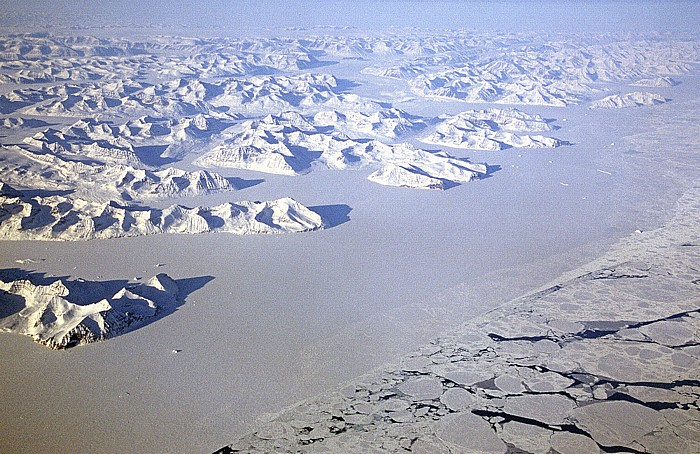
492	129
658	82
65	314
288	144
63	218
634	99
98	182
390	124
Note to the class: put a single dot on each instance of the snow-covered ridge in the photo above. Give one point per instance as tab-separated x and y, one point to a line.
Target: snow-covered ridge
288	144
169	182
100	182
83	58
658	82
307	91
106	142
117	113
112	149
403	165
498	85
95	75
634	99
590	58
19	122
388	124
405	71
576	58
492	129
68	219
42	45
531	72
118	98
69	313
180	97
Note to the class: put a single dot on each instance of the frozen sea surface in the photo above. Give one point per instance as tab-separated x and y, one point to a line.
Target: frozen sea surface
284	318
287	317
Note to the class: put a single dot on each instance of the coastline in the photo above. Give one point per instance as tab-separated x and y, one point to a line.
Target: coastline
287	318
603	356
613	312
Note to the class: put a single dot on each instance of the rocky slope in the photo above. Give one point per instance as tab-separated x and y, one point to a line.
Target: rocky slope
69	313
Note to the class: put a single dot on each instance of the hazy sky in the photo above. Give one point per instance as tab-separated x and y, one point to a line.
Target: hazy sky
234	15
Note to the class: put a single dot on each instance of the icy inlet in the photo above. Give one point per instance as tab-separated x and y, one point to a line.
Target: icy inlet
531	164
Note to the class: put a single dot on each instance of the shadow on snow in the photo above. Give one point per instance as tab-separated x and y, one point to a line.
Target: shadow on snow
332	215
83	292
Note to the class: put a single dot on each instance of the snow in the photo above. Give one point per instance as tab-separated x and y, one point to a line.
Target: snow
104	138
490	130
69	219
288	144
59	316
390	124
633	99
658	82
